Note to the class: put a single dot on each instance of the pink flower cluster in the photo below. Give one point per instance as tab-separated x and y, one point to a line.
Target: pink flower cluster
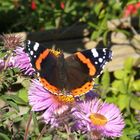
131	9
86	115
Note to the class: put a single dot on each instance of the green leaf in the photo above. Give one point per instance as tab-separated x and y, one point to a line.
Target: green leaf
105	79
7	115
15	98
102	14
49	137
63	135
10	102
119	74
13	105
135	103
112	99
94	35
98	8
136	85
118	87
103	24
123	101
115	86
4	137
16	70
105	37
17	119
125	137
2	54
93	25
11	73
36	126
26	83
128	64
23	95
81	137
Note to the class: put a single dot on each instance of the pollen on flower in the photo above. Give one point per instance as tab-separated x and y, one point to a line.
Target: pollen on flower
98	119
64	99
55	52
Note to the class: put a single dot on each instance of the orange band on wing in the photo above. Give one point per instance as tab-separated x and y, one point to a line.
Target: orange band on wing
87	61
48	86
40	58
82	90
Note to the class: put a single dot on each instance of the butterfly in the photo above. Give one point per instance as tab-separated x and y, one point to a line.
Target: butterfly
73	75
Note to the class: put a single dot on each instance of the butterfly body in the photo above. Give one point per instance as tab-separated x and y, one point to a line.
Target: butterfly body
72	75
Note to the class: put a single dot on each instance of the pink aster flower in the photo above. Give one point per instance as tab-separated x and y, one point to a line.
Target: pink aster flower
54	106
3	63
19	59
22	61
99	118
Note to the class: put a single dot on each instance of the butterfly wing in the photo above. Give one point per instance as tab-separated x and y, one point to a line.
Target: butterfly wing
74	74
36	52
45	63
98	58
78	80
82	67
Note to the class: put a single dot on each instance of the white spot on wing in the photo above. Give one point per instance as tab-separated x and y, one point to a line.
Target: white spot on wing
31	52
104	65
100	60
38	76
96	62
95	53
29	42
36	46
104	50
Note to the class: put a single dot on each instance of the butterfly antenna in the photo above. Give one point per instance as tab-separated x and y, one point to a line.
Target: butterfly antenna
53	47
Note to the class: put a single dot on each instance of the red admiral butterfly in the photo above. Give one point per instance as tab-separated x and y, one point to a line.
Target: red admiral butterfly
73	75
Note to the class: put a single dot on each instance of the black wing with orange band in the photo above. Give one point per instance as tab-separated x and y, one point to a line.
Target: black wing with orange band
74	74
36	53
45	65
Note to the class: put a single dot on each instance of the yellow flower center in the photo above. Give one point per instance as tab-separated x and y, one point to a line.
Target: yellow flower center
64	99
98	119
